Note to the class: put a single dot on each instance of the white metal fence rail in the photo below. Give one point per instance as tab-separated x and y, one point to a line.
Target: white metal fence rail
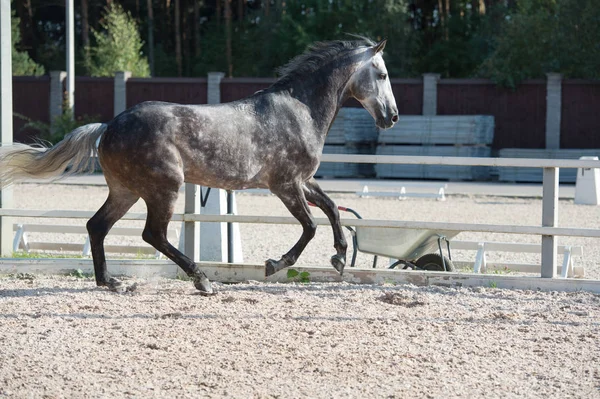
548	229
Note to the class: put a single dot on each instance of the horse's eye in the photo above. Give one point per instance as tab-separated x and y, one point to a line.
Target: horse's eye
382	76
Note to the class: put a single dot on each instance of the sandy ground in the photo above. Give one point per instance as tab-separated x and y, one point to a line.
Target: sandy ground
63	337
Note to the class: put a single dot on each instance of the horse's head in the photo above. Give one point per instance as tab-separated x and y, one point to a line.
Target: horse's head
371	86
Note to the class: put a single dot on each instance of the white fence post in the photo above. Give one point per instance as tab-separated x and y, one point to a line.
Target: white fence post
6	119
430	81
553	110
191	230
120	95
587	185
549	219
214	87
213	236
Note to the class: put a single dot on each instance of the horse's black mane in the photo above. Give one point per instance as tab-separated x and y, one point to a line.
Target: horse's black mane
314	57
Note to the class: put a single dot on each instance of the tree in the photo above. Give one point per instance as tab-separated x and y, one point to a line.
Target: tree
547	36
118	46
22	64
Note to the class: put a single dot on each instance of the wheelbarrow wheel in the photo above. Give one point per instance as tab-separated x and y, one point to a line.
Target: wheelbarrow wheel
434	262
402	264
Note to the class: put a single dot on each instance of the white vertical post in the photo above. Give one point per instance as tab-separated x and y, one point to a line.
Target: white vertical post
553	110
6	118
70	23
213	235
430	81
213	244
120	92
191	230
57	94
214	87
549	219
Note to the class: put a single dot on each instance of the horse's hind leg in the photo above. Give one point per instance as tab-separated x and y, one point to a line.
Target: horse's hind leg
119	201
315	194
160	210
293	198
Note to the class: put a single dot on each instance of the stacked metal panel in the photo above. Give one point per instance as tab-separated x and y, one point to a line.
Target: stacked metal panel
456	136
433	171
449	130
566	175
352	125
343	169
352	132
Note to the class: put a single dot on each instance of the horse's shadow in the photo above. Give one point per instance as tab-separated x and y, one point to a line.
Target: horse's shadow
42	291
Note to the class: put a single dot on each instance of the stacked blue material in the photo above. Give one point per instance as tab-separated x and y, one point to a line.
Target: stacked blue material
353	132
443	135
534	175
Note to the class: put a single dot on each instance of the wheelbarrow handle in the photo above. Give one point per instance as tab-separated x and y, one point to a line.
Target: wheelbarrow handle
341	208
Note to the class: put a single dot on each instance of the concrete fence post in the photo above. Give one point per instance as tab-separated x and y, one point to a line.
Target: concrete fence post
214	87
553	110
6	119
57	94
120	96
430	81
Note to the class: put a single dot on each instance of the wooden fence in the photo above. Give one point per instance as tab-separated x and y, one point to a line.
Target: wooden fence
520	114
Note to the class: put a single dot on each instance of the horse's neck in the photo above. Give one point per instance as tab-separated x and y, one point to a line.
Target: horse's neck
324	100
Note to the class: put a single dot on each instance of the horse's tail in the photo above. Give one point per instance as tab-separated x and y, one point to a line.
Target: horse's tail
21	162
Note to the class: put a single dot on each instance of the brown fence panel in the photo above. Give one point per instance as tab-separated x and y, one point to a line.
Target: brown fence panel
408	92
520	114
409	95
580	118
94	98
173	90
237	88
31	98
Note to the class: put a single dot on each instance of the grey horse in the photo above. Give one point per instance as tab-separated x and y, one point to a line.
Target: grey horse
272	139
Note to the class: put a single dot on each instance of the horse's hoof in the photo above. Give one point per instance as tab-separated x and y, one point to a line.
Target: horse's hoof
202	284
270	267
338	262
115	285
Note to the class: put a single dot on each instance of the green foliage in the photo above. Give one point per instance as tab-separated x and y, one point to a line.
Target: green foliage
547	36
291	273
78	273
261	44
118	46
22	64
294	275
61	126
43	255
507	41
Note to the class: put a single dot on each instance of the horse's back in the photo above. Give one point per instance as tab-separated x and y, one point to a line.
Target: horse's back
232	145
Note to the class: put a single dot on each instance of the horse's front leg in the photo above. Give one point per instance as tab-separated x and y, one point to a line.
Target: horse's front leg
317	196
293	198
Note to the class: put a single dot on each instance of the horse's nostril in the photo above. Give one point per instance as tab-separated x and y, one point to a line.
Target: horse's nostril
395	118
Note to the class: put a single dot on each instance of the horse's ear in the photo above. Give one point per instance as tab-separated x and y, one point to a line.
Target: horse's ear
380	46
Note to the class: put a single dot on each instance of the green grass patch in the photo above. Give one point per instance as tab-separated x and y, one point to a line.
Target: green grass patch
44	255
295	275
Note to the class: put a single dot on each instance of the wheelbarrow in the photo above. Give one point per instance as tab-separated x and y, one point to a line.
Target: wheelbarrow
414	249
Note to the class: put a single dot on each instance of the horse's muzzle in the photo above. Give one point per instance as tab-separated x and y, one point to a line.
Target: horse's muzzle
386	123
